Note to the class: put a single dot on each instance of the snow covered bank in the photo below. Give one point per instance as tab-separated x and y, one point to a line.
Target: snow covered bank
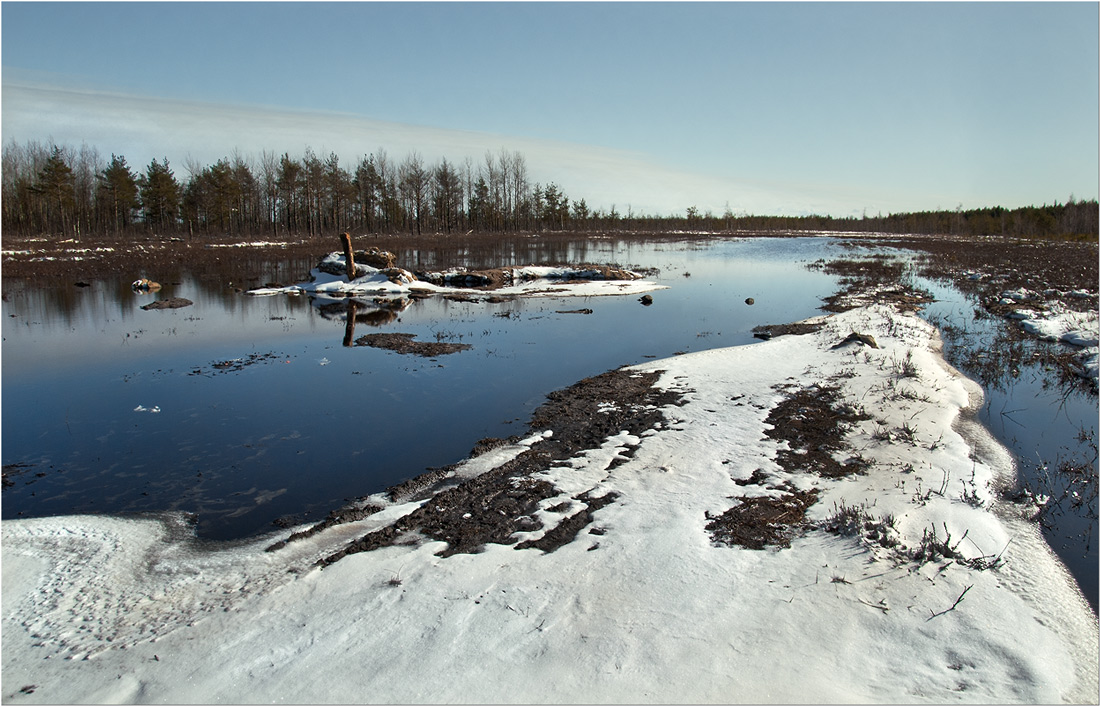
532	280
912	580
1051	320
1076	328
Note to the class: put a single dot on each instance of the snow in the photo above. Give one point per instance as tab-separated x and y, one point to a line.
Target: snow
641	607
531	281
1073	327
251	244
1076	328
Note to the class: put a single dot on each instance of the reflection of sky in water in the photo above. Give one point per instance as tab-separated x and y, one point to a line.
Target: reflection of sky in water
1038	422
288	434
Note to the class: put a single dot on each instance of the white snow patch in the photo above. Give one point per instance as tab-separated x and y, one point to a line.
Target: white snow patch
641	607
1077	328
250	244
532	281
1016	295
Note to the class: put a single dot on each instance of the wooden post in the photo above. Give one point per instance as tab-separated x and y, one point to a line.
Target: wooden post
349	257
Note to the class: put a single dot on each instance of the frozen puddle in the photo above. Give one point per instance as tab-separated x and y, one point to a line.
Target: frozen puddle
643	606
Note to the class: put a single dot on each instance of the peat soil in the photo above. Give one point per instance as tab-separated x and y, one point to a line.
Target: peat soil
495	505
245	262
405	343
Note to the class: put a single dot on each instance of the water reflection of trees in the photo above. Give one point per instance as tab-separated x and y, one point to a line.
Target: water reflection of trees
219	283
355	310
506	253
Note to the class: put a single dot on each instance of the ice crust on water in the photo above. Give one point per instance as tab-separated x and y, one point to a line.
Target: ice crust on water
649	609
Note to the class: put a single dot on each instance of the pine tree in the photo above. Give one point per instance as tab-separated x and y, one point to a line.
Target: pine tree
54	185
117	194
160	196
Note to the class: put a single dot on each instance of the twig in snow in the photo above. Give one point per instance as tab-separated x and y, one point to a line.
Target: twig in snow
953	605
880	606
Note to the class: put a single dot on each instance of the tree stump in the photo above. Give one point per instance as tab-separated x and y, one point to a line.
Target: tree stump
349	256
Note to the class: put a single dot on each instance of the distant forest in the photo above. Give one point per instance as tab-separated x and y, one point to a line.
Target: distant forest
75	192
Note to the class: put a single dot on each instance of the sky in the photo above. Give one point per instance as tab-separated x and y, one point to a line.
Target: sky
767	108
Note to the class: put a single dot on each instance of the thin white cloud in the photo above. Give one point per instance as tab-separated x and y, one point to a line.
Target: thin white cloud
144	128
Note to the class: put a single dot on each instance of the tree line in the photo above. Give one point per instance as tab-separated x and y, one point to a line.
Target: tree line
61	190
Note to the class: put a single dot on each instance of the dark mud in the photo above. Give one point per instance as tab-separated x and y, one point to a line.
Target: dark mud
878	279
497	277
248	262
351	513
989	265
1066	272
768	331
813	421
403	343
494	506
757	523
236	365
170	303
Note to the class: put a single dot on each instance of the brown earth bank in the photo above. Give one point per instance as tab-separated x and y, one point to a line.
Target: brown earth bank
495	505
1012	262
405	343
247	262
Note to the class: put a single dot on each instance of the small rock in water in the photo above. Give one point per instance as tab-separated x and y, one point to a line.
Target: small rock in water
750	301
646	300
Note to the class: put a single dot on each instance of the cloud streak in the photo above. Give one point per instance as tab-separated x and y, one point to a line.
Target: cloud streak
145	128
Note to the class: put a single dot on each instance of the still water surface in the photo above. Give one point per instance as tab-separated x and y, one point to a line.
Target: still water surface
309	422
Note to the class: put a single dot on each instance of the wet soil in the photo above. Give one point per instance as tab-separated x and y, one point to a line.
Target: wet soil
170	303
813	421
404	343
494	506
768	331
877	279
246	262
761	522
989	265
237	364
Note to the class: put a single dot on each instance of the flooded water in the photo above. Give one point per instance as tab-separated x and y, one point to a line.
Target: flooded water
1043	423
111	408
247	410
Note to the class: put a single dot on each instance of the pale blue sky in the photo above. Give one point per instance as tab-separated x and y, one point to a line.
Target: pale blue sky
771	107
